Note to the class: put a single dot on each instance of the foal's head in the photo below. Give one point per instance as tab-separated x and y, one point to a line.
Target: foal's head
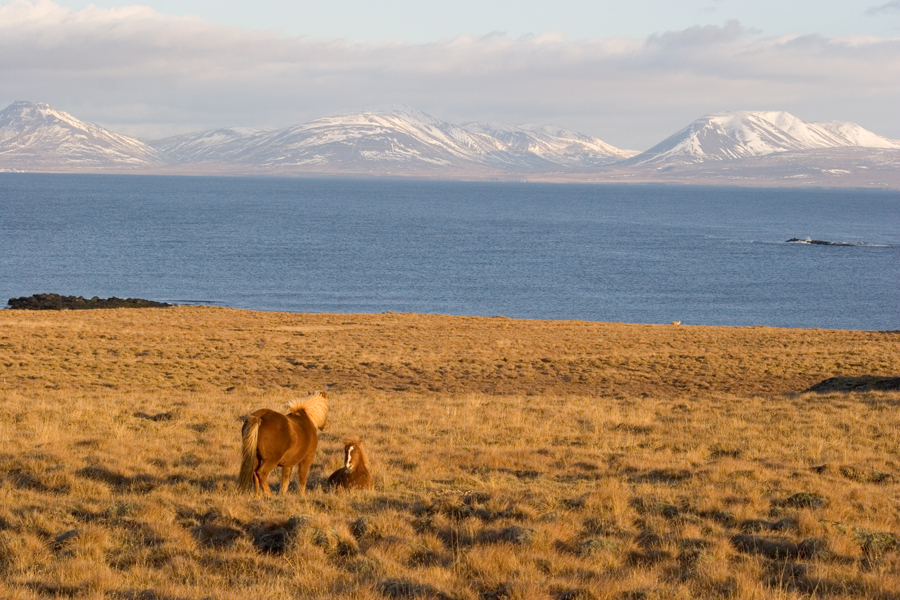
353	455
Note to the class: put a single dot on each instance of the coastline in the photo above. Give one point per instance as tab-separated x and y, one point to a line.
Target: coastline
887	180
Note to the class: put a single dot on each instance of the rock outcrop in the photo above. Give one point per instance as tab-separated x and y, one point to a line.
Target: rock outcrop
57	302
864	383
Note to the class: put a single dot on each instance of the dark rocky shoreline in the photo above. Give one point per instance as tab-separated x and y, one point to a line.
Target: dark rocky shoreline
58	302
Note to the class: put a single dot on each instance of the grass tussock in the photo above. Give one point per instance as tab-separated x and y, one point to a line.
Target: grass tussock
121	446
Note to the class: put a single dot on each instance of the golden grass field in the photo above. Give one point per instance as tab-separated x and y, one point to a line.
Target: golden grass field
513	459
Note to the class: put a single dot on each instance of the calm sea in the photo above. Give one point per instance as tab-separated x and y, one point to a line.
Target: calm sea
637	254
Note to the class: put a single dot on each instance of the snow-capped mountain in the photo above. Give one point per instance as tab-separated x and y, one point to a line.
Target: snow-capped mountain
396	138
34	135
204	146
729	148
551	143
741	134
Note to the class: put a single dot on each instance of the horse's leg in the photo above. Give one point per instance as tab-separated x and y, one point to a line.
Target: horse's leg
285	478
257	482
262	474
303	471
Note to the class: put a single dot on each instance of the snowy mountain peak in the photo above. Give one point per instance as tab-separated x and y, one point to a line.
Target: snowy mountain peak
739	134
22	106
26	106
37	114
37	135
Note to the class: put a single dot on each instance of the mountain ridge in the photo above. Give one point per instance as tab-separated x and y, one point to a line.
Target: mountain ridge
403	135
734	147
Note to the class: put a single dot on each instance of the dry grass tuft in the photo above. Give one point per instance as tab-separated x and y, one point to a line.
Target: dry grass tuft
520	459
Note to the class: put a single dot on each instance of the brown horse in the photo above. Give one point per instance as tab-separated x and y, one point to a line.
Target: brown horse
355	472
271	439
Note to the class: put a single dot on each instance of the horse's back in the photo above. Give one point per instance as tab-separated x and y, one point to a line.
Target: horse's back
290	437
303	425
275	436
271	421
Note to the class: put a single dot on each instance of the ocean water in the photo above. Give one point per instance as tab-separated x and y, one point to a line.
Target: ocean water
618	253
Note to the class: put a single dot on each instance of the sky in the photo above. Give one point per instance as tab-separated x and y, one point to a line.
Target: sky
630	72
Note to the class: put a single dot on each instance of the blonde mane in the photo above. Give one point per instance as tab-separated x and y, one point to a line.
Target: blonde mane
316	407
363	459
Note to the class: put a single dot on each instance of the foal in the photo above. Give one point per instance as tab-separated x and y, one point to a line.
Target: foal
355	472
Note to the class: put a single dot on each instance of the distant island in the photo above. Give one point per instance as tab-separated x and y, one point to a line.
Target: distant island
757	148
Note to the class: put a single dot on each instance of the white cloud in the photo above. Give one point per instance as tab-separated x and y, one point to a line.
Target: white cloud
143	73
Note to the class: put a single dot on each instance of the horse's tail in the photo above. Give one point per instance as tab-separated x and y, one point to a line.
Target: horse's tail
250	437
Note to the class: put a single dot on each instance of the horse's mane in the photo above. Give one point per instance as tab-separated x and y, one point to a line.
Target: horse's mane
363	459
315	405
